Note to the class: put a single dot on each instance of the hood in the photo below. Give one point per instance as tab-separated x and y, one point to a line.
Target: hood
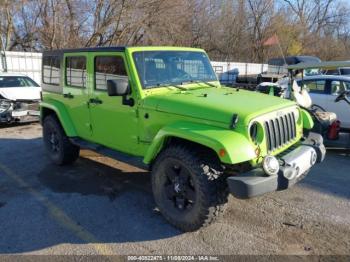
20	93
216	104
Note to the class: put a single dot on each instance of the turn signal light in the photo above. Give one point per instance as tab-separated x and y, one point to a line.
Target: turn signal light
257	151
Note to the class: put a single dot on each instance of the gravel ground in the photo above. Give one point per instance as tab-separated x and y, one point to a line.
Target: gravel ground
101	206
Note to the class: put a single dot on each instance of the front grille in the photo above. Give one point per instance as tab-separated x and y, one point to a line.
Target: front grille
280	130
33	106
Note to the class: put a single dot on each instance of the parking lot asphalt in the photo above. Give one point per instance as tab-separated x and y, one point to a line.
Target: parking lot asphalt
101	206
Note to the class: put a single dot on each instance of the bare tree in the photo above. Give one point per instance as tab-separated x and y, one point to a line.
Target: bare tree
260	15
227	29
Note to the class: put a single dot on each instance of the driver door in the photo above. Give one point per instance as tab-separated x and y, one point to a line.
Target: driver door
114	125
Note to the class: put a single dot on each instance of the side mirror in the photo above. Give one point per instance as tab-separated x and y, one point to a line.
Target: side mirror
118	87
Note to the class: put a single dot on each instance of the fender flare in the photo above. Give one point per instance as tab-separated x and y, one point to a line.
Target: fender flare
237	147
62	116
308	123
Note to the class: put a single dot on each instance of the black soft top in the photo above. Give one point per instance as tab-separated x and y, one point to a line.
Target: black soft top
292	60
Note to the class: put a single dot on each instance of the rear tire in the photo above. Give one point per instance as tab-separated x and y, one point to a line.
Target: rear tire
190	190
57	144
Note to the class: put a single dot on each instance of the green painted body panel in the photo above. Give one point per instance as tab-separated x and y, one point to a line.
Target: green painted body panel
308	123
62	114
201	114
109	119
216	104
237	146
77	107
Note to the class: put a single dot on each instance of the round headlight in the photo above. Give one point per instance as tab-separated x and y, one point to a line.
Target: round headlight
271	165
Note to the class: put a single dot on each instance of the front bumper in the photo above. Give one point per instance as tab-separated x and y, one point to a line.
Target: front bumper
19	111
19	116
294	164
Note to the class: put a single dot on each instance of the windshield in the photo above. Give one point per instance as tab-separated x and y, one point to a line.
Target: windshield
164	68
16	81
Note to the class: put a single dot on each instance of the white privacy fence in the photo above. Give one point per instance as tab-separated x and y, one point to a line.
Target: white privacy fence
228	71
26	63
29	63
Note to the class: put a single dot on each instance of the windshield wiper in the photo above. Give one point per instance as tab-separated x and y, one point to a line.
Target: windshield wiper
177	86
198	81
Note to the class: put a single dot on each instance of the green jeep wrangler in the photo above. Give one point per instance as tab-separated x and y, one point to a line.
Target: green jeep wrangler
163	108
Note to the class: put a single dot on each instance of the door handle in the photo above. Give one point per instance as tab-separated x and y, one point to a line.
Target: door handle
69	96
95	101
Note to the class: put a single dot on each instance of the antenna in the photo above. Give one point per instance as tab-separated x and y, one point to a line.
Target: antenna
281	50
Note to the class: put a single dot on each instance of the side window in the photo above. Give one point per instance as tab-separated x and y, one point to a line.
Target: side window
337	87
108	68
316	87
346	85
76	71
51	70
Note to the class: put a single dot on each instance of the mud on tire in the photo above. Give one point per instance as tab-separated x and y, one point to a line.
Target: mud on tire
60	149
189	187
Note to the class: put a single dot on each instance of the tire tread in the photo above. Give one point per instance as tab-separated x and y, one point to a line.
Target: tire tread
70	152
212	182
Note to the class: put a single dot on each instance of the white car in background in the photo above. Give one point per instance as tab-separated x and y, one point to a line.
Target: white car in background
324	89
19	98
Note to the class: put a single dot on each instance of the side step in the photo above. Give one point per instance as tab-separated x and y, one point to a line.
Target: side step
105	151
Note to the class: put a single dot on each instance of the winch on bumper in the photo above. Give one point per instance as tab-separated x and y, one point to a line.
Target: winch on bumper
290	169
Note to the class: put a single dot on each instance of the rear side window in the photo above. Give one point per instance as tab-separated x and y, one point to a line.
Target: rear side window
335	87
317	87
51	70
108	68
338	87
76	71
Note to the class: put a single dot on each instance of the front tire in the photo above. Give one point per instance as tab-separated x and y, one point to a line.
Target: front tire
57	144
190	190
